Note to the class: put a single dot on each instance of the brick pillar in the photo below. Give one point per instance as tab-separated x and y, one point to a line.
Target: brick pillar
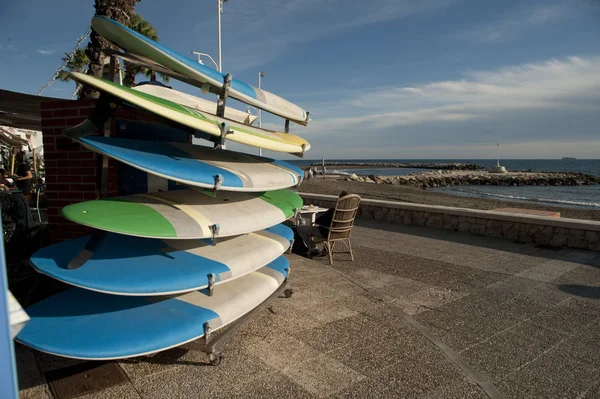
73	172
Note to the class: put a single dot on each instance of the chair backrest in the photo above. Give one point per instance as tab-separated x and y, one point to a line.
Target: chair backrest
343	217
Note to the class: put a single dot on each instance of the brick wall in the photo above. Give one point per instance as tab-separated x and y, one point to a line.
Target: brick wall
72	171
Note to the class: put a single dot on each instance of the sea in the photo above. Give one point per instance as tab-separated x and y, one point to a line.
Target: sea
587	197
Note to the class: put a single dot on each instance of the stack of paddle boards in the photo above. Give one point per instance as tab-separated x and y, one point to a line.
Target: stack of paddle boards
165	268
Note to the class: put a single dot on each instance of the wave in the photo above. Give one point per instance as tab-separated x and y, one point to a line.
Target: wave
339	172
530	199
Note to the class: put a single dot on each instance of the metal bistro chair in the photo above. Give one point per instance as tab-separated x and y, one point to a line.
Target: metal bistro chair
340	227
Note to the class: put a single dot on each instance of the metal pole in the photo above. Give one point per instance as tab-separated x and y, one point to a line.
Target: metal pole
260	76
219	11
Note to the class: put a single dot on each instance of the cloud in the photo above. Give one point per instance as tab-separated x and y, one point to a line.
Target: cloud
266	29
550	100
522	21
480	94
45	52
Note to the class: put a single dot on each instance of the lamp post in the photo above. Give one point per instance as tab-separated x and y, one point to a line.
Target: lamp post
197	54
261	75
219	12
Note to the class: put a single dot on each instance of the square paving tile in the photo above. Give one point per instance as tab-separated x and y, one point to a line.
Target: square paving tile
421	377
273	386
521	308
546	295
374	278
470	330
323	376
584	345
505	352
360	303
282	315
197	378
515	285
281	351
567	317
548	271
337	334
404	288
552	375
378	351
436	296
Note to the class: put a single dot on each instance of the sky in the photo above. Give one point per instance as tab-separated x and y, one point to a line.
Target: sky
394	79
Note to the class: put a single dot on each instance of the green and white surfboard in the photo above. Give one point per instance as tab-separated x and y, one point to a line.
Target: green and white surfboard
199	120
186	214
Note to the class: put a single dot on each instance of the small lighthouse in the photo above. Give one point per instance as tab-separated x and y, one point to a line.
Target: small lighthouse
498	168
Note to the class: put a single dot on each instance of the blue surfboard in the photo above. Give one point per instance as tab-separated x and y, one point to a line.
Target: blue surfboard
194	72
199	166
126	265
84	324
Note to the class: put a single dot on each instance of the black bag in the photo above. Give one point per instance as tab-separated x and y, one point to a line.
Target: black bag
299	247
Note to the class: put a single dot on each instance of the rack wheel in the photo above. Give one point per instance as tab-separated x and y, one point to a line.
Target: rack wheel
215	358
288	292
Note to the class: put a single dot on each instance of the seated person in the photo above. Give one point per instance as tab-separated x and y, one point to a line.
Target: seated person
5	182
323	221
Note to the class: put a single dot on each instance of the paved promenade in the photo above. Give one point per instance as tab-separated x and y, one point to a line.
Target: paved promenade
421	313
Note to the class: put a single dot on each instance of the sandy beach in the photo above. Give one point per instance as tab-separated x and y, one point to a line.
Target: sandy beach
333	185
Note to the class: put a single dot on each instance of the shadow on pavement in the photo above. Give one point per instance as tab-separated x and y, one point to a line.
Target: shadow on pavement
585	291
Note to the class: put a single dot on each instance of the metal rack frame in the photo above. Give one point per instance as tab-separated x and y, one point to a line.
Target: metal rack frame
211	343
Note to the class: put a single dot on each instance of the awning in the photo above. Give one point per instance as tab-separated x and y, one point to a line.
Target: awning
21	110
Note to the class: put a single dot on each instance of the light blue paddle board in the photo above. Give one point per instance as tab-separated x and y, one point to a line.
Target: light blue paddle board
84	324
126	265
198	166
197	73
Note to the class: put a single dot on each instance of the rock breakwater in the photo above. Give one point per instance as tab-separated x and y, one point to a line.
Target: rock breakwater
415	165
445	179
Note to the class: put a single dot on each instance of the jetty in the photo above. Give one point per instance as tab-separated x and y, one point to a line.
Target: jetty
445	178
415	165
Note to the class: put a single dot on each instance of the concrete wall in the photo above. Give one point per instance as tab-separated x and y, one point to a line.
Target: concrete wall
556	232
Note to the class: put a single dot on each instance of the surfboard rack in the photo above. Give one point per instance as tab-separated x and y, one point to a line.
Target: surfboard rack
220	143
223	95
219	179
212	341
287	126
104	110
214	231
88	251
212	279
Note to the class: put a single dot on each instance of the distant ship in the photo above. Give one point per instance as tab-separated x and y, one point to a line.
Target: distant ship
568	158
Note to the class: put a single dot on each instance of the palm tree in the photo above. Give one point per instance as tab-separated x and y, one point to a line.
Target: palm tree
76	63
118	10
140	25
